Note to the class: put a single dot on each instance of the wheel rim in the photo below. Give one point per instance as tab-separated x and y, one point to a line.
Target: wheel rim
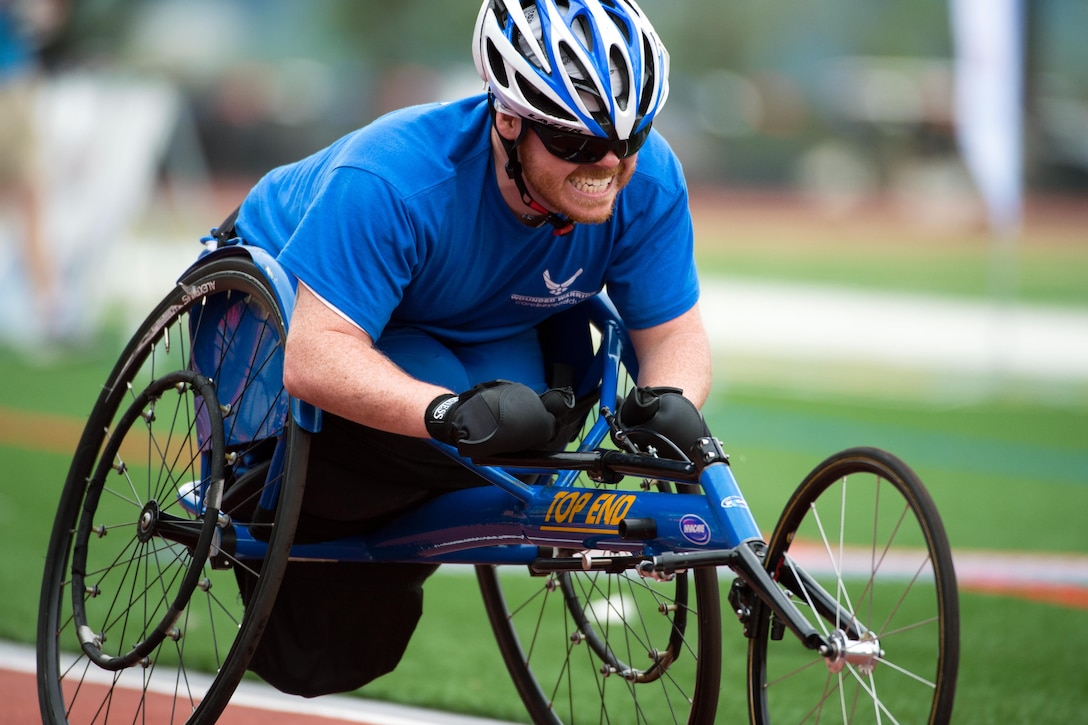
177	636
98	584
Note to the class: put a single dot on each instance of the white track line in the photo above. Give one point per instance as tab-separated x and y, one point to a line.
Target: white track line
20	658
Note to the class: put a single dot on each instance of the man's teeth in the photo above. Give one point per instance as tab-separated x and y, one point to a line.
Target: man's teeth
591	186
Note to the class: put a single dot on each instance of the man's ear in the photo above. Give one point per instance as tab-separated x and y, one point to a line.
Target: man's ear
508	126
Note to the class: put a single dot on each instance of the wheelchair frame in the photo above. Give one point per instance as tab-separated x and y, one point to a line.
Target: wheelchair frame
561	527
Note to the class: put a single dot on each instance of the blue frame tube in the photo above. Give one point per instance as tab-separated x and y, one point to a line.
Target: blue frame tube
508	521
457	526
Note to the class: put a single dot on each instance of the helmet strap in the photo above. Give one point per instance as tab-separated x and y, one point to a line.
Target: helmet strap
560	224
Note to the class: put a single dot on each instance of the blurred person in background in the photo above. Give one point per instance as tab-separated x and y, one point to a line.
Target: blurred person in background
429	248
25	26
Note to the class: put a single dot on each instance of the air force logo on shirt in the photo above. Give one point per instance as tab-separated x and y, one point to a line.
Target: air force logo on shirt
558	288
560	294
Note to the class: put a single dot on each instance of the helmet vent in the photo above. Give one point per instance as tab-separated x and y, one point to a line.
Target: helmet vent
584	32
620	81
526	47
648	80
621	24
575	70
540	102
497	65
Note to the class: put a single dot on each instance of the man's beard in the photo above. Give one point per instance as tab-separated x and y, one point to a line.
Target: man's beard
549	190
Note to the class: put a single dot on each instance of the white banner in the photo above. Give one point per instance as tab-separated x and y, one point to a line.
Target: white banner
989	90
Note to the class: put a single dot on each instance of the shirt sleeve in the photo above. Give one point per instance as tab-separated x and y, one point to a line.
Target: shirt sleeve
355	248
652	278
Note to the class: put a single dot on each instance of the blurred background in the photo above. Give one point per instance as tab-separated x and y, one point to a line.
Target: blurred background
146	120
890	201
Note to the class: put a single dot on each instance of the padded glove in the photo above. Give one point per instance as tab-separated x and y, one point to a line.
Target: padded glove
497	417
664	411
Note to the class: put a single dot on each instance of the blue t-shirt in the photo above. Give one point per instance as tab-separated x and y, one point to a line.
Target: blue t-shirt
401	225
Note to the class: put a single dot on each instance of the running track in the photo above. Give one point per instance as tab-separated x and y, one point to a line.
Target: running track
252	704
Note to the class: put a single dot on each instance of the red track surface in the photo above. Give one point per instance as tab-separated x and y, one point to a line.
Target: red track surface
253	704
18	692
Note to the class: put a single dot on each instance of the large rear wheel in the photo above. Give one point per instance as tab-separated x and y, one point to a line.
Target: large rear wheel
608	648
141	616
604	647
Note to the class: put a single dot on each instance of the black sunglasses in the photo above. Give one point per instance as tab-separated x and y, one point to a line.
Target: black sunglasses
578	148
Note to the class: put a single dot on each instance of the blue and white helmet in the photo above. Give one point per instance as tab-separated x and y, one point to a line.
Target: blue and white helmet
590	66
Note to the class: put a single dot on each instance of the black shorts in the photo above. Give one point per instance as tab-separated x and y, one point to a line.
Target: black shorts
358	478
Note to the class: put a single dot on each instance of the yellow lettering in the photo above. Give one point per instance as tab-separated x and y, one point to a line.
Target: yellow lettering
551	508
620	509
562	511
603	509
595	509
582	501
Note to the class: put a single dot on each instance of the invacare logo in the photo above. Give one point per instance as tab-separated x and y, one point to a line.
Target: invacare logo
695	529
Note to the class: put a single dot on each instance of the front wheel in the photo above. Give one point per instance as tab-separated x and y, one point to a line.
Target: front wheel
862	552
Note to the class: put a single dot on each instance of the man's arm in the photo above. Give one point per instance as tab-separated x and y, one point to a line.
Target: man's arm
334	365
675	354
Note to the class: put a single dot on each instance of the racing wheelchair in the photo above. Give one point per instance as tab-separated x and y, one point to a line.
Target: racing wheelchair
598	565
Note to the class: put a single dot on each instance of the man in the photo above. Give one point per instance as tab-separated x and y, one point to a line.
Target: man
25	28
431	245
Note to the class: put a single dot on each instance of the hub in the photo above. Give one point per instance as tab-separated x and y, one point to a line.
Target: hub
148	521
862	653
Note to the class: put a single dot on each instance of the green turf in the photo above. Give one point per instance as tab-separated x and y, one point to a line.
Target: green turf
1006	475
957	267
999	471
67	383
1010	672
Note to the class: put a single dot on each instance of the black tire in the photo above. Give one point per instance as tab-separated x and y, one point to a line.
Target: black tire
141	617
608	647
569	638
864	527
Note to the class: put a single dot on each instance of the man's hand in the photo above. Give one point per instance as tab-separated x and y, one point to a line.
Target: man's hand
664	411
497	417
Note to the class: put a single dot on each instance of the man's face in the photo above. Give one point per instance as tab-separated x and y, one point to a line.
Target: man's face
584	193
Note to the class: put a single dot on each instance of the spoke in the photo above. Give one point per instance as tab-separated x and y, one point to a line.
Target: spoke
808	597
870	584
836	564
831	685
871	691
876	701
906	591
908	673
842	698
789	675
134	502
909	627
121	468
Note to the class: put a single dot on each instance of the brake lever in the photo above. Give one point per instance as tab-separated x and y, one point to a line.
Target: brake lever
618	433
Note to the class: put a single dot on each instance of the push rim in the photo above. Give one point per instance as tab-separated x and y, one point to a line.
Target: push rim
199	660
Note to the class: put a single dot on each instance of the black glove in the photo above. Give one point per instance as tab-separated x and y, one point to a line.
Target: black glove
664	411
497	417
